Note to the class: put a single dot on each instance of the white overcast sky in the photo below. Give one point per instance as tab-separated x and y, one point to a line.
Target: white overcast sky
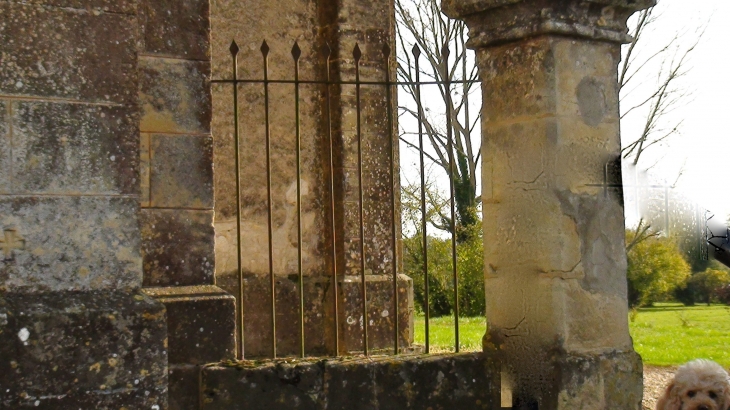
704	143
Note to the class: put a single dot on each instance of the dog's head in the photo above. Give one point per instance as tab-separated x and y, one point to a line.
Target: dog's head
698	385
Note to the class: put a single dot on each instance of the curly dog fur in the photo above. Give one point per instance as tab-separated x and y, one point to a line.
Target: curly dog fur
698	385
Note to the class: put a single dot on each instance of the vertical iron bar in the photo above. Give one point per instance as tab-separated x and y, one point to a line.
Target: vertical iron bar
356	53
239	306
265	53
427	310
450	147
392	146
335	285
296	53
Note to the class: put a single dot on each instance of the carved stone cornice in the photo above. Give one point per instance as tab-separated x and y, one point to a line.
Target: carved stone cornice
497	21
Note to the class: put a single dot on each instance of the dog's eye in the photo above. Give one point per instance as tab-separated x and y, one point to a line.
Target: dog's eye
691	393
713	395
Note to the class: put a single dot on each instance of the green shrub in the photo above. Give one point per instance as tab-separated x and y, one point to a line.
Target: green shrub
655	269
470	265
708	282
705	287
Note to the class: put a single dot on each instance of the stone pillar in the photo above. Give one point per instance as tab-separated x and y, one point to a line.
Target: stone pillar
75	331
553	231
176	218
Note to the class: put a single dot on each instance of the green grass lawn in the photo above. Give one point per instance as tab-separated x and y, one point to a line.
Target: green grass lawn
441	330
667	334
671	334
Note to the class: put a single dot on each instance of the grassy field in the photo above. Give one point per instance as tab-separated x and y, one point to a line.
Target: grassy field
667	334
670	334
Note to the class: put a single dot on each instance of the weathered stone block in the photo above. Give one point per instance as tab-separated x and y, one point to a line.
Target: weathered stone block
318	317
181	171
5	159
65	350
274	385
111	6
201	323
257	315
179	28
74	149
177	247
79	243
405	382
91	56
565	381
380	312
174	96
499	21
184	386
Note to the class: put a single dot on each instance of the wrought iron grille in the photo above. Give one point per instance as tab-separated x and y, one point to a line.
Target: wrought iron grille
389	86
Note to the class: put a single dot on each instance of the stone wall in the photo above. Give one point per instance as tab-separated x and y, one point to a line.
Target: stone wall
74	329
339	24
177	198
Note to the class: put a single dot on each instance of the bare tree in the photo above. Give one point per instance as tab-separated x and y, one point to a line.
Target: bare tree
639	234
439	45
670	93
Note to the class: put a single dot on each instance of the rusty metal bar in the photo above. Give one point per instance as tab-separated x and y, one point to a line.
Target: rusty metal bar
335	285
296	53
426	310
450	147
356	53
343	82
239	306
272	279
392	147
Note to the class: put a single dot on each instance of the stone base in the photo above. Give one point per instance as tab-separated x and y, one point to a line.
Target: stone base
184	387
201	323
91	350
569	381
404	382
318	308
201	327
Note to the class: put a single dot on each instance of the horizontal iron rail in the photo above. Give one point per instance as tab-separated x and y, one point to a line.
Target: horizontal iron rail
390	83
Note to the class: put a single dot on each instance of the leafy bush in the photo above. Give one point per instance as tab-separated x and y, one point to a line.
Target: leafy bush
470	264
655	269
705	287
723	294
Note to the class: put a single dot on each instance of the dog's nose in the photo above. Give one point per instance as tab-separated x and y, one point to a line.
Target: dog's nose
703	407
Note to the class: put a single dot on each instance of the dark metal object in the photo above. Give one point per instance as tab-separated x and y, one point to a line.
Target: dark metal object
327	83
427	311
356	53
391	149
335	283
296	53
272	279
239	306
450	148
343	82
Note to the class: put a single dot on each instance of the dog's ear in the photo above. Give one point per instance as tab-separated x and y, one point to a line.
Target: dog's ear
726	397
670	400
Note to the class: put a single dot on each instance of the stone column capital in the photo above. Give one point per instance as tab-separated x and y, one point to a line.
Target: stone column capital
499	21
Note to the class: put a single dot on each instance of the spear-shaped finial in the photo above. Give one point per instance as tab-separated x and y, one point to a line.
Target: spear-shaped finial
416	51
296	52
